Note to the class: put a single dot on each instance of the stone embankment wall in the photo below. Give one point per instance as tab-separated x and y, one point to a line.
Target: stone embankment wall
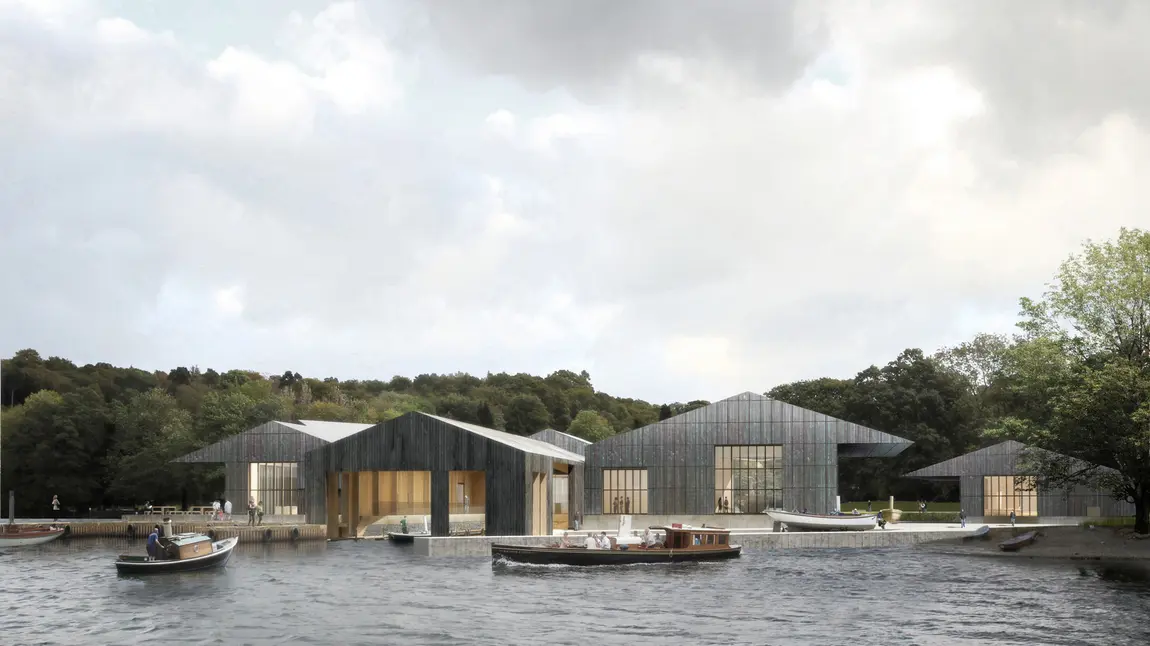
246	533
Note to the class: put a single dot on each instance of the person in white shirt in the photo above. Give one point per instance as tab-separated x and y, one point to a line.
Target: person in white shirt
648	539
215	510
227	509
604	542
591	543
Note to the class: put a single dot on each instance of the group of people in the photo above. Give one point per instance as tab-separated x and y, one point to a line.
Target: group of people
621	505
255	512
603	542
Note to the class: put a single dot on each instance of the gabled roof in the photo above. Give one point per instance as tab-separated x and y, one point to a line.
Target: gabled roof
997	460
525	444
327	431
751	408
551	430
562	440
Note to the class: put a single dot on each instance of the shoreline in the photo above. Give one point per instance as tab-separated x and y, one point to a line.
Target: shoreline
1065	543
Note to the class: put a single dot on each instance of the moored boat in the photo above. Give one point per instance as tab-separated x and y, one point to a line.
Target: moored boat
405	537
680	544
796	521
13	535
1018	542
179	553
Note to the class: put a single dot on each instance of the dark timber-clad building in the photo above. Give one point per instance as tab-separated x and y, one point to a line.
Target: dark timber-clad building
263	462
736	456
989	488
567	481
419	464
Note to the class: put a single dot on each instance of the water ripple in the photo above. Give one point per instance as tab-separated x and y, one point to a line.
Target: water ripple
68	592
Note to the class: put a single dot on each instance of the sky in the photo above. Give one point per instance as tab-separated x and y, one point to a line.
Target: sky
688	200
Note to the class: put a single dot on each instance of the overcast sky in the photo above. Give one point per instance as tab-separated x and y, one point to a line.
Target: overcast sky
687	199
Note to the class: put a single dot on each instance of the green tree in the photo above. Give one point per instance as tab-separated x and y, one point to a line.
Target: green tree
151	430
526	414
665	412
484	416
590	426
1086	347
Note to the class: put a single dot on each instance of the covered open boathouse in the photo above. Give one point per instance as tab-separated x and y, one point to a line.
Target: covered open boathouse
420	465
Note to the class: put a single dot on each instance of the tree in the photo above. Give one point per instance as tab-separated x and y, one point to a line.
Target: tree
484	416
526	414
1086	346
590	426
665	412
151	430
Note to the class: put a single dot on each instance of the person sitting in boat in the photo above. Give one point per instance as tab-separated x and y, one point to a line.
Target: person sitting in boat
403	524
564	542
604	542
648	538
591	543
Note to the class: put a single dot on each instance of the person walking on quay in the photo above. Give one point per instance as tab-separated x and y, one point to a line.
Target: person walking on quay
260	513
251	511
1013	518
962	517
227	509
55	508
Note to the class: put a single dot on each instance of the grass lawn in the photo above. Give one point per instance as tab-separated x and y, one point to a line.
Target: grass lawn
904	505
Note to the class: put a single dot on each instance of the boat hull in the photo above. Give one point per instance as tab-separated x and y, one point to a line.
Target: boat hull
221	552
400	537
25	538
980	534
1018	542
584	557
819	523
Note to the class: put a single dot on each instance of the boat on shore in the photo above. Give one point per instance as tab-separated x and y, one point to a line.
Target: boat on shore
179	553
797	521
1018	542
982	533
680	544
13	535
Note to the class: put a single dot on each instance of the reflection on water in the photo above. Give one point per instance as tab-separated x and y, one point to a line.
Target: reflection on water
373	592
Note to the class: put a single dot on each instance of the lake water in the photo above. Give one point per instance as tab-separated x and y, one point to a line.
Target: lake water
374	592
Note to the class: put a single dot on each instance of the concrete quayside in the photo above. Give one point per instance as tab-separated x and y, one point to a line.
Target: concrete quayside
217	530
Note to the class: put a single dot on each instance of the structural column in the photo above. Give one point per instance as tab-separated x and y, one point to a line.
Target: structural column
331	501
440	503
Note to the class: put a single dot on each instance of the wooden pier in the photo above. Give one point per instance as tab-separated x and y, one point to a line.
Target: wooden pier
218	531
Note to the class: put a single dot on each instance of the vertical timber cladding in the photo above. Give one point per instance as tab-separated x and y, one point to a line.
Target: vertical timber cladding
575	476
1005	459
419	442
537	507
679	456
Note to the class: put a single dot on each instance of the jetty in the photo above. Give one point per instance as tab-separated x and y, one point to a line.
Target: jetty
283	533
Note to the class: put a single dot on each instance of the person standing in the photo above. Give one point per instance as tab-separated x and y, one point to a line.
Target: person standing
227	509
215	510
55	508
251	511
1013	518
962	517
260	513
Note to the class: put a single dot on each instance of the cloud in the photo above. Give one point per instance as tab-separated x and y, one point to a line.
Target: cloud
687	203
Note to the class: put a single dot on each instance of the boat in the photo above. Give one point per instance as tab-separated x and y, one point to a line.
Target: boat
982	533
14	535
404	536
796	521
680	544
180	553
1018	542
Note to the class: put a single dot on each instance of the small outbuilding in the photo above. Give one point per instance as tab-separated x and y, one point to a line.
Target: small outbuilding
455	473
263	463
993	482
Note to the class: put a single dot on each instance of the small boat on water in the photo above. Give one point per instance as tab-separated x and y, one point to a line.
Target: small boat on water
179	553
13	535
680	544
1018	542
404	536
796	521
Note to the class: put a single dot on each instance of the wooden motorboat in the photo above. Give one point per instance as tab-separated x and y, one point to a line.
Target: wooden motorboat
1018	542
680	544
980	534
180	553
796	521
13	535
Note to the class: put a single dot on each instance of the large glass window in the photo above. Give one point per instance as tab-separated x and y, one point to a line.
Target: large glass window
1001	495
624	491
275	485
748	479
